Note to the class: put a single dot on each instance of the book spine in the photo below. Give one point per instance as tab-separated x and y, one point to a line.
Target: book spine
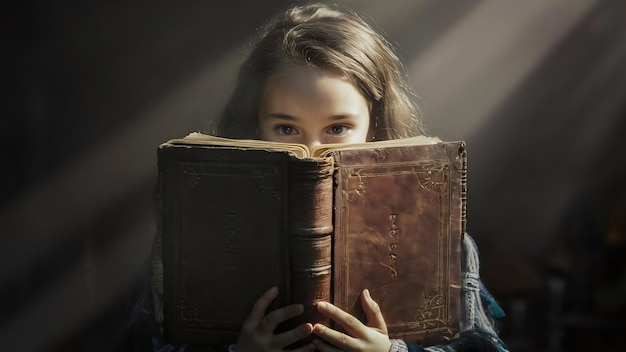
310	230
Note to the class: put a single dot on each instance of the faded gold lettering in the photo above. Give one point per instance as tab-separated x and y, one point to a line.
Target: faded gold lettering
394	232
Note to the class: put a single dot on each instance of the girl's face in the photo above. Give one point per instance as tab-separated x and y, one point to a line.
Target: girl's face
313	107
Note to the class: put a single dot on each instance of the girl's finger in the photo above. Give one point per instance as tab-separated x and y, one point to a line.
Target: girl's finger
372	312
261	304
269	322
288	337
335	338
349	323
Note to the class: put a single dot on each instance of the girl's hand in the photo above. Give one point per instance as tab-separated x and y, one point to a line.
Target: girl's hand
257	333
371	338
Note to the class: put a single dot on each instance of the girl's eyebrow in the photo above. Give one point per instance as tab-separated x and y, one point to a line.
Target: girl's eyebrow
342	116
282	116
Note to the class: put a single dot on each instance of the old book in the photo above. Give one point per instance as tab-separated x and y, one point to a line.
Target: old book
238	217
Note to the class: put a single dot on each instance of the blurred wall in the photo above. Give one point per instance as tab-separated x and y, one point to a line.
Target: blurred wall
90	89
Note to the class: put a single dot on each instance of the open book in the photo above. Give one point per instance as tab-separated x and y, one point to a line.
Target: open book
240	216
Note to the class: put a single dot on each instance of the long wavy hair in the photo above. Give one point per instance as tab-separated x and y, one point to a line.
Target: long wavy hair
328	38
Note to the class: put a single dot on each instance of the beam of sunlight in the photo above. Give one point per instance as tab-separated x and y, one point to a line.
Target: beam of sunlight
105	173
480	61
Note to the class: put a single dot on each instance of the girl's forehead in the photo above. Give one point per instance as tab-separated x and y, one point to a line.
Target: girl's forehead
312	90
307	80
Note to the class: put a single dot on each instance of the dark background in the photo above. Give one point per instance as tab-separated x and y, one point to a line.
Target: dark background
89	89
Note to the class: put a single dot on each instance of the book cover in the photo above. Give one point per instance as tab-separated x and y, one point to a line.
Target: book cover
238	217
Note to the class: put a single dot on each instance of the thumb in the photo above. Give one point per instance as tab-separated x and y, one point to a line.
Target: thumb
372	312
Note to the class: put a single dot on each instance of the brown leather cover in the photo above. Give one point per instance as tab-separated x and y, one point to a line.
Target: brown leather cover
236	221
400	216
220	253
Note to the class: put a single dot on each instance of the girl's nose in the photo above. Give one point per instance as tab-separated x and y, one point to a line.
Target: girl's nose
312	141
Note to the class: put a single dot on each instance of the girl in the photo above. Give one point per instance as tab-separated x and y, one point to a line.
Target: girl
320	75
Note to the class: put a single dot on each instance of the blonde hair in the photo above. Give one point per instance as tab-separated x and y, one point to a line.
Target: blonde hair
318	36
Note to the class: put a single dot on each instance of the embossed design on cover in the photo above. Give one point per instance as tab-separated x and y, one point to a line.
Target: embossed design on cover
191	315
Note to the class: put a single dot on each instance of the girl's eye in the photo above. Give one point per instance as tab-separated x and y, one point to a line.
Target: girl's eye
338	129
285	130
